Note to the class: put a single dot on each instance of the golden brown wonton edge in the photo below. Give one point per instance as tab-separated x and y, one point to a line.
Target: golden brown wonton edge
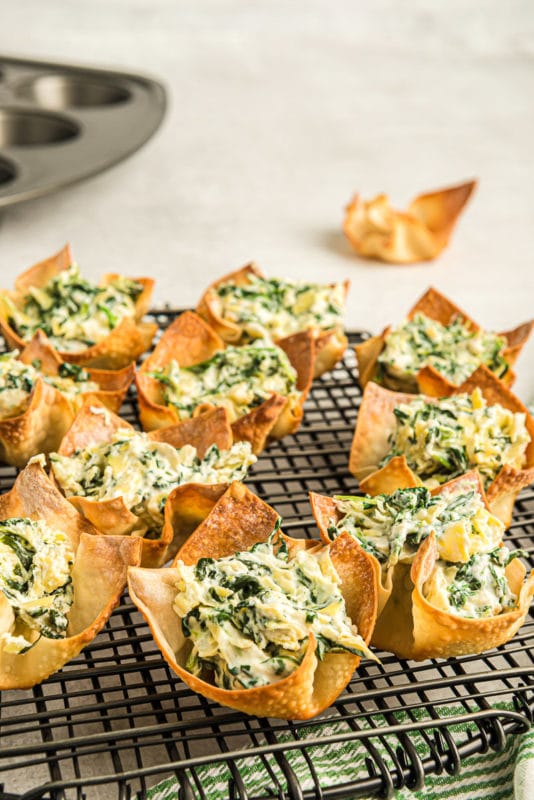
238	521
124	344
190	341
98	575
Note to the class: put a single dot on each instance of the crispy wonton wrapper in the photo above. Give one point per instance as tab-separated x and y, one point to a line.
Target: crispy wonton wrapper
190	340
238	521
42	425
407	624
330	345
438	634
377	231
376	421
429	381
124	344
186	505
98	577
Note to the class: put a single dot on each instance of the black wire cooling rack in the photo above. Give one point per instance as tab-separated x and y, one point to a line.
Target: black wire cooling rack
116	721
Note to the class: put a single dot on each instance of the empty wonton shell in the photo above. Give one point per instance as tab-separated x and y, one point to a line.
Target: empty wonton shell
237	522
124	344
186	505
330	345
190	340
435	306
45	420
403	626
98	577
376	422
376	230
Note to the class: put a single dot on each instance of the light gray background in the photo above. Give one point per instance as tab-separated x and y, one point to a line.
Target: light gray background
279	112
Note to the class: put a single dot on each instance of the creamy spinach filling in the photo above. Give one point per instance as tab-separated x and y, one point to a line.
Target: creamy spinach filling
453	350
35	566
478	588
249	616
18	379
73	312
469	577
452	435
143	472
391	527
271	308
237	378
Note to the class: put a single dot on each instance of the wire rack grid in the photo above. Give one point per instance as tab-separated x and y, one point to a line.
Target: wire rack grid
116	721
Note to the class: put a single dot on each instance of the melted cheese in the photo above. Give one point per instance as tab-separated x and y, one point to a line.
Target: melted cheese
448	437
35	565
17	381
144	472
237	378
73	312
453	350
249	616
274	308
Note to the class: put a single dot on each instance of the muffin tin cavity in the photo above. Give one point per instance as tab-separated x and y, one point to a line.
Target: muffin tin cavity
63	92
61	123
30	128
7	171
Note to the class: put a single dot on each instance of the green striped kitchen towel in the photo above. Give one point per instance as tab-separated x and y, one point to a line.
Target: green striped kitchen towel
507	775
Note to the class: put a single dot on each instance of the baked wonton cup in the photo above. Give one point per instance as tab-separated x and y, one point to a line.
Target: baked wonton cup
438	634
407	624
189	341
429	381
377	231
186	505
389	579
40	427
330	345
124	344
376	422
98	578
237	522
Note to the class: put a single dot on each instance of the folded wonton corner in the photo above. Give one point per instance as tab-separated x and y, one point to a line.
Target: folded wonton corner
40	427
436	306
237	522
124	344
376	422
98	577
189	340
420	233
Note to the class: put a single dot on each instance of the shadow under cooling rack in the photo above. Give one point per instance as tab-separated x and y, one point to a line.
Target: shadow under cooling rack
116	721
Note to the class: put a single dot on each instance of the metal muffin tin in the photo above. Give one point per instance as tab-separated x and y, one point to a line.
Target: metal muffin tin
61	123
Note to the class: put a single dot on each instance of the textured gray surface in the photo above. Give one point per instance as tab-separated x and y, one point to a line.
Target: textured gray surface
278	113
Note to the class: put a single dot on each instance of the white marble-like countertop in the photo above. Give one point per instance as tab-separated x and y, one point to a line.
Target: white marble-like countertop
278	113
